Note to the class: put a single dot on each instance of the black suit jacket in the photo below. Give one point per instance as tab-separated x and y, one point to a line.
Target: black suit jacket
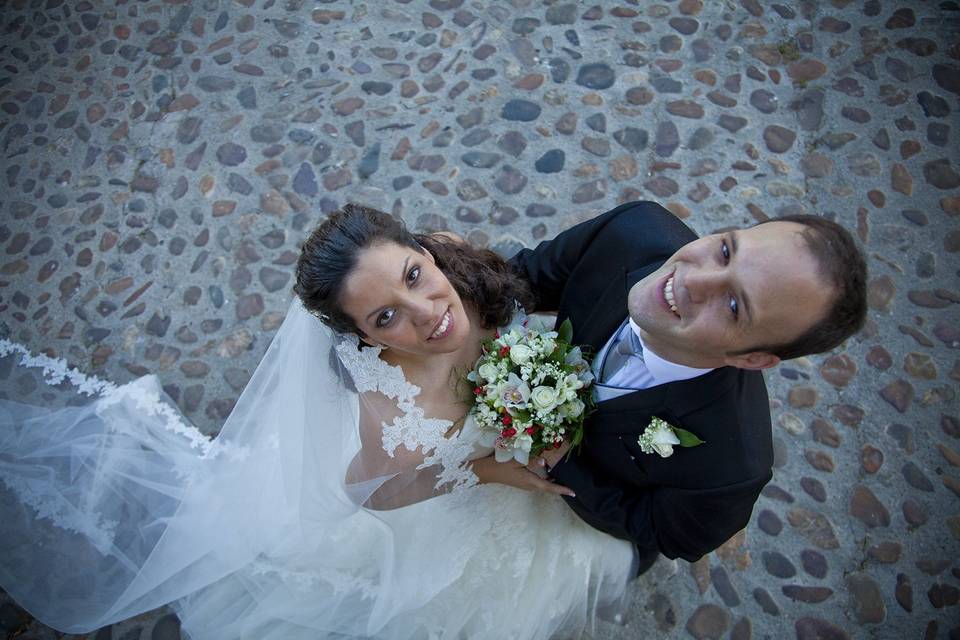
690	503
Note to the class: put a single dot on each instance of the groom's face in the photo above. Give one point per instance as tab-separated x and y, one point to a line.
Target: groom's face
725	293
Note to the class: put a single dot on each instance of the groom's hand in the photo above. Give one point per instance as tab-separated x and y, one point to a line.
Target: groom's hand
514	474
552	456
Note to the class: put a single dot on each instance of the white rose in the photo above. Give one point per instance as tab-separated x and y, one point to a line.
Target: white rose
662	441
573	408
544	398
488	371
511	338
521	354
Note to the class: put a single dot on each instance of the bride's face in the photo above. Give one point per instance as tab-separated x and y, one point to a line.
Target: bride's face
399	298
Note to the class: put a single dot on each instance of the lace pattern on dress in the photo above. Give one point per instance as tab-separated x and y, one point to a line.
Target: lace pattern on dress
412	428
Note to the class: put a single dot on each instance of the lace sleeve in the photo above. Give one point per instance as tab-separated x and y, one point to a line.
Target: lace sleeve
405	456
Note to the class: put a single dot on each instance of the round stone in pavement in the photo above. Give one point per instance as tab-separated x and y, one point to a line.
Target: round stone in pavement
778	565
596	76
708	621
520	110
551	162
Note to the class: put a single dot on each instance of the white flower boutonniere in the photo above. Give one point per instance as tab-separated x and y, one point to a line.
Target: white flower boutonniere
660	437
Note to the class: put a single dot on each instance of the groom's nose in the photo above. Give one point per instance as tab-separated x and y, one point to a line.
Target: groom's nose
703	284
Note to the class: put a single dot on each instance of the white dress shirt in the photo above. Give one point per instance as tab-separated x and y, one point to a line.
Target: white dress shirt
641	368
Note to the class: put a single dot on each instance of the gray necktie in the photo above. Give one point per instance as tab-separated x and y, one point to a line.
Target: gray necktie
628	346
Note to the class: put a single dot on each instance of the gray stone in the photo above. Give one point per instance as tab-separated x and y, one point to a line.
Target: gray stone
305	180
667	139
701	138
231	154
808	107
596	76
520	110
632	139
766	602
590	191
510	180
560	14
597	122
559	70
470	189
779	139
938	133
778	565
536	210
933	106
941	174
481	159
731	123
596	146
513	143
216	84
721	582
763	101
551	162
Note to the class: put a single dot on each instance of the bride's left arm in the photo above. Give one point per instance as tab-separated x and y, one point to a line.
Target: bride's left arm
379	480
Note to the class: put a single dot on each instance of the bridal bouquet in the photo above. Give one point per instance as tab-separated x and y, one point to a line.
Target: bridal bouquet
531	389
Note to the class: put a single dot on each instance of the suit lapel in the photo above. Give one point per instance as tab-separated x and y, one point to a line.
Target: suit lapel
631	413
601	315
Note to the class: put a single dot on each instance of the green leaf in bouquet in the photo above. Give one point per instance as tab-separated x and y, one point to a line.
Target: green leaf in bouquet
577	437
686	438
565	332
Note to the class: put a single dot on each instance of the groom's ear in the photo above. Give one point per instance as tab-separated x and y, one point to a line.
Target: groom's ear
754	360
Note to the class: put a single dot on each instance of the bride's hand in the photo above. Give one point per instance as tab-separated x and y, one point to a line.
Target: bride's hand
514	474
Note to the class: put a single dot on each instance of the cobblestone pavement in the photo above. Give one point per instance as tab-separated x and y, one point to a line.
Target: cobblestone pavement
162	160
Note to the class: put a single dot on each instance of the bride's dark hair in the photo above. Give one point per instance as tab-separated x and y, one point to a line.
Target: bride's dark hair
483	279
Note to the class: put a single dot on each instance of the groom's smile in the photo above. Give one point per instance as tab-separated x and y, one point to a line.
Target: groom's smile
719	296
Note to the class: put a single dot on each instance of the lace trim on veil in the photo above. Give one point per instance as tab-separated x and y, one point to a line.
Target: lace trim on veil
56	371
412	428
143	396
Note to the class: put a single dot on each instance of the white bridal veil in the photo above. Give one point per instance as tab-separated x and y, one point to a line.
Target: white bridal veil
287	524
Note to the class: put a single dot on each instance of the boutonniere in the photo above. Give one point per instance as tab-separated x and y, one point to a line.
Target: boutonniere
660	437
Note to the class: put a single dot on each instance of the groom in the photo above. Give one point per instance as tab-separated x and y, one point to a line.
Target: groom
682	327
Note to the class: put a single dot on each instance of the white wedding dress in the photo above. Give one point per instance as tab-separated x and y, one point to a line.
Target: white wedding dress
296	521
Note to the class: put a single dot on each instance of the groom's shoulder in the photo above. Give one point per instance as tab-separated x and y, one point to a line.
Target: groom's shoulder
647	217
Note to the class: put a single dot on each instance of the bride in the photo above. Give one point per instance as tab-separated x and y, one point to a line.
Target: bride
346	496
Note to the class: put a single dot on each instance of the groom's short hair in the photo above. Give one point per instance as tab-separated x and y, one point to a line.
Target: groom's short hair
842	267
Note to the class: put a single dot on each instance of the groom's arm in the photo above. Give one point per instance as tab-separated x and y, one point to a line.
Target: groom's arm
676	522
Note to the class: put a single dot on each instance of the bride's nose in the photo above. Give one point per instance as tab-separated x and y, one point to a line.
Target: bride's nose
422	310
